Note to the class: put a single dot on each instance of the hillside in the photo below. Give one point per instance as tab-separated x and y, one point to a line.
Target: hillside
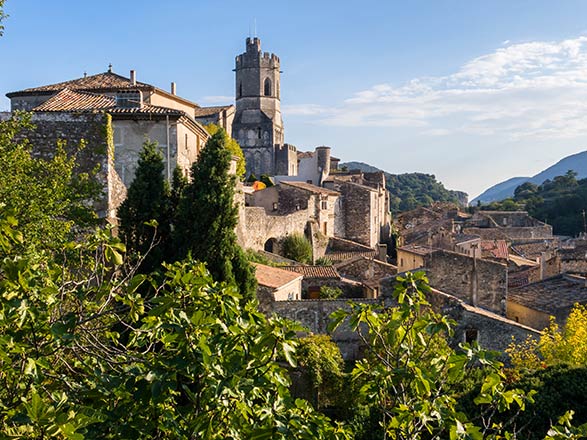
410	190
575	162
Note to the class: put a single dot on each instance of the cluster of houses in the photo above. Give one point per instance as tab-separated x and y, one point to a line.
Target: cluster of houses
498	274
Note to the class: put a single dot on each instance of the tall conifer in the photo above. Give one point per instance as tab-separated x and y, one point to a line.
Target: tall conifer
207	217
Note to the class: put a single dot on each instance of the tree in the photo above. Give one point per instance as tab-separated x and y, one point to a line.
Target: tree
3	16
47	196
207	217
147	200
410	374
86	356
297	247
233	147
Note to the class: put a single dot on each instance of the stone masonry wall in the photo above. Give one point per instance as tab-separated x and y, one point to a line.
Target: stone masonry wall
259	227
475	281
50	128
315	315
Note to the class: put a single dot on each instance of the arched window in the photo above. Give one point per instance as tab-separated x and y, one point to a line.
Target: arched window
267	87
240	90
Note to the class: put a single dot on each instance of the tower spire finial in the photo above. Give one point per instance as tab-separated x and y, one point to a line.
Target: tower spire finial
110	68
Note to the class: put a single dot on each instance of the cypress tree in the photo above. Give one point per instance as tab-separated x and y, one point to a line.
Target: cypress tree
147	199
207	217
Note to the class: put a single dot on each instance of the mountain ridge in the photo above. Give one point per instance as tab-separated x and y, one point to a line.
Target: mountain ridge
576	162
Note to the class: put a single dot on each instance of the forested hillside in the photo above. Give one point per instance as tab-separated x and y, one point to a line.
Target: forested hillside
410	190
560	202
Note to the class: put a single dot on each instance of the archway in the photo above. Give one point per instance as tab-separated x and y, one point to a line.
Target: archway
270	245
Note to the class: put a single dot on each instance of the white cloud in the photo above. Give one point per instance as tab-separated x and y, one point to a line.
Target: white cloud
526	90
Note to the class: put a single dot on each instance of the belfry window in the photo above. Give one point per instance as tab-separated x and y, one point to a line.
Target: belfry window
240	90
267	87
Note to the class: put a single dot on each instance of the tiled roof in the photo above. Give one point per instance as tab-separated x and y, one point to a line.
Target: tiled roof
69	100
531	250
311	188
464	238
314	271
494	248
100	82
338	256
208	111
552	294
274	277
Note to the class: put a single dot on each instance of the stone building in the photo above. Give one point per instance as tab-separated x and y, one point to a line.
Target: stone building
535	303
258	126
136	112
312	167
275	284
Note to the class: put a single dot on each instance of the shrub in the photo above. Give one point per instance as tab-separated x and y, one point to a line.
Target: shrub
297	247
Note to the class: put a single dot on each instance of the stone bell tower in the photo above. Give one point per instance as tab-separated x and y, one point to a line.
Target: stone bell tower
257	124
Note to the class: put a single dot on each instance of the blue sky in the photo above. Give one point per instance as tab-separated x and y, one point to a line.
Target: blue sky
473	92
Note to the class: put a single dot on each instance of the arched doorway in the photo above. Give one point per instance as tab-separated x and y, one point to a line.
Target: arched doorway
270	245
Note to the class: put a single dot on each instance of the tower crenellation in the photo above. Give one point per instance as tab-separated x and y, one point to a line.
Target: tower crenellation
258	126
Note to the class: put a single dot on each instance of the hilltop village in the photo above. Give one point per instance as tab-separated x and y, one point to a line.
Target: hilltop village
498	274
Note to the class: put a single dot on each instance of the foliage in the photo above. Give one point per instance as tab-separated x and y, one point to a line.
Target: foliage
3	17
320	358
147	200
256	257
252	178
178	184
46	195
556	346
327	292
85	356
411	190
266	179
323	261
207	216
232	146
410	372
297	247
559	202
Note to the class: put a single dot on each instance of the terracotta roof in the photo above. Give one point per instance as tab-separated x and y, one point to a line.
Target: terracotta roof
531	250
274	277
208	111
314	271
551	295
101	81
69	100
495	248
311	188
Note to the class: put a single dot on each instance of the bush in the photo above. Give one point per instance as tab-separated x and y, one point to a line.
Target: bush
323	261
297	247
327	292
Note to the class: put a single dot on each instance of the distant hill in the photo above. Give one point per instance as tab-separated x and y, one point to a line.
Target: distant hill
410	190
576	162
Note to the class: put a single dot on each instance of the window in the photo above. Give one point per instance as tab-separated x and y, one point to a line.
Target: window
240	90
324	204
471	335
259	132
267	87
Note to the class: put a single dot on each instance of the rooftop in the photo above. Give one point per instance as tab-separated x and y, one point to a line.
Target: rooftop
494	248
274	277
311	188
560	292
418	250
208	111
314	271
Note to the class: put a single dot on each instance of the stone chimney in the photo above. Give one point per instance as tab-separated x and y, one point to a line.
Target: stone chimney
173	91
133	77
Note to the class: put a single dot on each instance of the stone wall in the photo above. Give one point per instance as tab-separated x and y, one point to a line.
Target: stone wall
478	282
513	233
93	130
365	269
315	316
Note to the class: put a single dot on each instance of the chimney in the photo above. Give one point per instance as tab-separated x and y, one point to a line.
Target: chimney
173	88
133	77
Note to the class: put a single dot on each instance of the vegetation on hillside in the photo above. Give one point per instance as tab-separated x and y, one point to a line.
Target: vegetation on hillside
411	190
560	202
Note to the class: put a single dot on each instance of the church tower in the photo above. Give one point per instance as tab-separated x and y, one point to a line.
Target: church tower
257	124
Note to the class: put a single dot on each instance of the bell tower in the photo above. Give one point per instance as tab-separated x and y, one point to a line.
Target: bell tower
257	124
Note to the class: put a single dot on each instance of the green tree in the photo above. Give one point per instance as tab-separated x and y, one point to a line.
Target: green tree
3	17
147	200
192	360
410	374
207	217
47	196
233	147
297	247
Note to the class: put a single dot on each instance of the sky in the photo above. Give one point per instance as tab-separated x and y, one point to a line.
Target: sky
474	92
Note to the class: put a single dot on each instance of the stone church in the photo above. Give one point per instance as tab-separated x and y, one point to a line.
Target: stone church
257	124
